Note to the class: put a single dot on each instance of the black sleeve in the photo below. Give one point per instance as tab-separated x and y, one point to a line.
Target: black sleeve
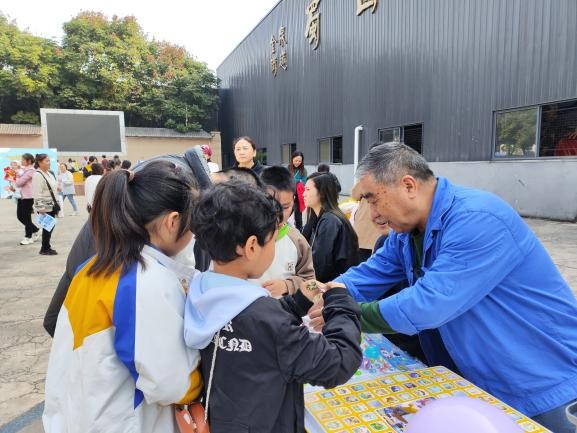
325	245
297	304
328	359
82	250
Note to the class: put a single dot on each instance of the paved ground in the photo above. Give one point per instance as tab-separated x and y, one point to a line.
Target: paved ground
28	281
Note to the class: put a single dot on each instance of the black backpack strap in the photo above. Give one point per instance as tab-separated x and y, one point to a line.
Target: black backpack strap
49	187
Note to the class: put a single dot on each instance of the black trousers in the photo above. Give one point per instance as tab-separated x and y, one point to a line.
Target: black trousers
297	214
24	215
46	235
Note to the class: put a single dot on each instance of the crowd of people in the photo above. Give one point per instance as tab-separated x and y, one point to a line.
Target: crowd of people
38	190
194	285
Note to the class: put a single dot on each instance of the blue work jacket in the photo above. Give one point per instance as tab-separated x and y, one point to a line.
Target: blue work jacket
506	315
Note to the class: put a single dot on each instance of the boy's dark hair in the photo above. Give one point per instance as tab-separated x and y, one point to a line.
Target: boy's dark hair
323	168
228	213
278	178
120	231
126	164
243	174
97	168
91	158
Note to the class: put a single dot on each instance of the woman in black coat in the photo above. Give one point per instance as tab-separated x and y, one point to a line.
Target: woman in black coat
330	234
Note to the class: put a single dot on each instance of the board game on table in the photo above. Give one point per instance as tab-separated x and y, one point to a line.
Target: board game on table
388	389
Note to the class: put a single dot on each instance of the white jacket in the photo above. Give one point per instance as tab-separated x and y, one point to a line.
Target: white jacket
118	358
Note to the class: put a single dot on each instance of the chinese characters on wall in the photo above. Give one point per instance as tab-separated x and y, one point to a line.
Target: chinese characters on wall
277	61
279	58
313	27
363	5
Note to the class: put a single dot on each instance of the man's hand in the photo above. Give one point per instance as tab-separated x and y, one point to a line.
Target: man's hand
312	289
316	311
334	285
277	288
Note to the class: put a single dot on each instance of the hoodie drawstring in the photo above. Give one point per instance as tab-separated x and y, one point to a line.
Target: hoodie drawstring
216	340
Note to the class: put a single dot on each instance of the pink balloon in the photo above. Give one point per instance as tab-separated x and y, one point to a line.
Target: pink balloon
461	415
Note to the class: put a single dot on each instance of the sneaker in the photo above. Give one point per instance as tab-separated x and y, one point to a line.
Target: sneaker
26	241
35	236
74	213
49	252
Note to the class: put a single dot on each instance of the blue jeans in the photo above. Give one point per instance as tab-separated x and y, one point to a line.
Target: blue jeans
556	420
71	200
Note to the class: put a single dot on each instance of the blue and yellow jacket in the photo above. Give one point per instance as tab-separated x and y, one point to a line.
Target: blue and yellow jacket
118	358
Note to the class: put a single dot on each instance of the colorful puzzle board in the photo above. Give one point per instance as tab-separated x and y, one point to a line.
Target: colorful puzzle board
385	404
380	357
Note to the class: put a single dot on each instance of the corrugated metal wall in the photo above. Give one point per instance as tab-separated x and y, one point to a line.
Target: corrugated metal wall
446	63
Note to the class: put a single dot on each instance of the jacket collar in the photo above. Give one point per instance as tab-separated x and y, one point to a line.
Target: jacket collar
444	195
182	271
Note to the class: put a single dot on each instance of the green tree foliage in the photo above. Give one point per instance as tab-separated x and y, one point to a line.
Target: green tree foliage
29	72
516	132
109	64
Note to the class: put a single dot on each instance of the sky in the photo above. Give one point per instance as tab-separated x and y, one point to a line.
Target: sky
208	29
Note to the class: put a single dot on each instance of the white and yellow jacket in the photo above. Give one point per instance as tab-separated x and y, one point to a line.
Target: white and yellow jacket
118	359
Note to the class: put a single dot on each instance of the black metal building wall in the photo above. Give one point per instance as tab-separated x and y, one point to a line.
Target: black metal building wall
449	64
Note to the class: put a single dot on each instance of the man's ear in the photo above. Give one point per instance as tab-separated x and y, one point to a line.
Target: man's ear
410	185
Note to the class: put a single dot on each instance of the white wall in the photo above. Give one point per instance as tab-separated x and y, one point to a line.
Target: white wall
543	189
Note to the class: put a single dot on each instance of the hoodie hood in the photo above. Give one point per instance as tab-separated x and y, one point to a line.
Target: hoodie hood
214	300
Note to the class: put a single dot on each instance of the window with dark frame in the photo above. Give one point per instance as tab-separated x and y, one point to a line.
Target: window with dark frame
286	152
411	135
558	133
516	133
548	130
390	135
331	150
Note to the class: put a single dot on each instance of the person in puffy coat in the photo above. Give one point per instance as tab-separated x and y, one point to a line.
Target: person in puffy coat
118	359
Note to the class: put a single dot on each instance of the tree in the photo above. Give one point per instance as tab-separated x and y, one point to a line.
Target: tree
109	64
104	64
29	70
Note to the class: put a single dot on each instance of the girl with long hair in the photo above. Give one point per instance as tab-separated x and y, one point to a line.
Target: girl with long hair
118	358
331	236
299	172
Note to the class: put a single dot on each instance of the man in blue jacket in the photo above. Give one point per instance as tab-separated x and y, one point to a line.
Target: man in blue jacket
478	277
